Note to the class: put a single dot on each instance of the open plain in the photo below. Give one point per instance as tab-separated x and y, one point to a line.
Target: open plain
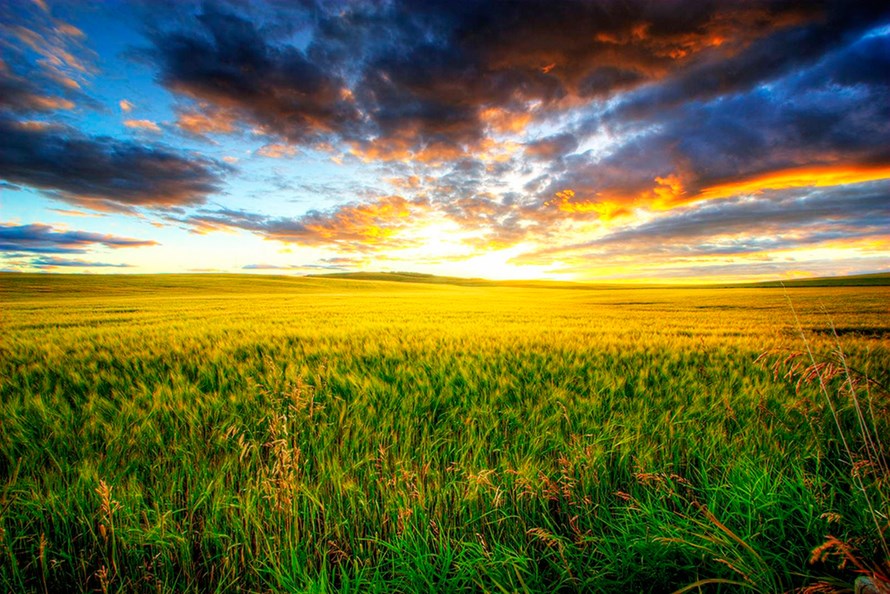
239	433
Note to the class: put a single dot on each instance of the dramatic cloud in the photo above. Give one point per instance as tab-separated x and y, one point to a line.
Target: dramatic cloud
775	221
550	134
38	238
432	77
823	28
821	126
103	173
358	227
223	59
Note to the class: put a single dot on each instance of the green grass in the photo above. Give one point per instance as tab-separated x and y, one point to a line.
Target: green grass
248	433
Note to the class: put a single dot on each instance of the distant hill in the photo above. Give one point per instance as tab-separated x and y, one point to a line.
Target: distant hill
879	279
404	277
861	280
14	284
418	277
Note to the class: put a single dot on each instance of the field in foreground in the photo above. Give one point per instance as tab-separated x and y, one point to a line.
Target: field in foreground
226	433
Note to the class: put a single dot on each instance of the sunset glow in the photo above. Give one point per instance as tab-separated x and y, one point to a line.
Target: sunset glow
583	140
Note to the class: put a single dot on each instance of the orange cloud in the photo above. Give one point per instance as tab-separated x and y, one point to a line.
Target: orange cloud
565	201
439	152
51	103
379	150
277	151
197	122
142	125
65	81
363	227
491	150
797	177
411	182
667	191
37	125
76	213
69	30
51	48
503	121
670	191
369	223
125	105
404	149
386	223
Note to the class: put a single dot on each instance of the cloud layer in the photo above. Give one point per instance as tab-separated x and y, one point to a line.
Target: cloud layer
100	172
44	239
399	78
560	131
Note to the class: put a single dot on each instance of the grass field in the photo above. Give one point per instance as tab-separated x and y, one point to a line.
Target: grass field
240	433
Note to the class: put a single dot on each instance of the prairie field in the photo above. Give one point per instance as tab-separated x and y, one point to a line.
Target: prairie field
231	433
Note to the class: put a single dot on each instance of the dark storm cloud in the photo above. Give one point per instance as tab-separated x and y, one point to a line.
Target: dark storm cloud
103	173
829	26
836	111
834	114
403	78
225	60
38	238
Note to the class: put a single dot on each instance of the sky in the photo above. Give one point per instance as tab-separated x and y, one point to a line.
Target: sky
611	141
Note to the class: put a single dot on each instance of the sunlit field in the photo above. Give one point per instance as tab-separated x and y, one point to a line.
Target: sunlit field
265	434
